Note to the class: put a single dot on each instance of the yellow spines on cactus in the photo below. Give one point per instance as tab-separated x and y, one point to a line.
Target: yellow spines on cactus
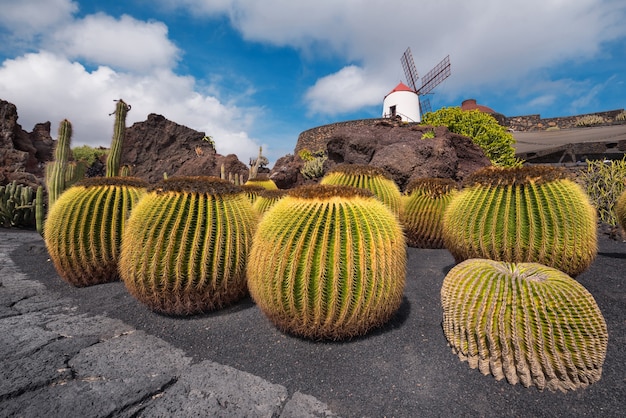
186	245
328	262
527	322
523	214
620	211
262	181
83	230
374	179
425	202
266	199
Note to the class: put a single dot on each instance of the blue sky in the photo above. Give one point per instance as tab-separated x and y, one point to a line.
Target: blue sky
253	73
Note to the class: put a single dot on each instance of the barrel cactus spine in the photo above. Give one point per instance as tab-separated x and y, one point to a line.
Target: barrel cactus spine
119	130
262	181
186	245
425	202
620	212
524	321
266	199
84	228
328	262
372	178
523	214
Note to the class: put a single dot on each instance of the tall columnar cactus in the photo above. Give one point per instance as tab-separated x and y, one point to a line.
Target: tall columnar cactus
40	210
119	130
186	245
84	228
523	214
266	199
56	169
374	179
422	215
328	262
527	322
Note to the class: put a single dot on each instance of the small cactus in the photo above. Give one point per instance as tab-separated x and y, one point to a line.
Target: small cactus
374	179
523	214
328	262
527	322
84	228
186	245
422	214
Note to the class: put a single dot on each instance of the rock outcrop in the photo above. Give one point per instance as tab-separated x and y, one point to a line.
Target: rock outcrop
405	151
157	146
22	154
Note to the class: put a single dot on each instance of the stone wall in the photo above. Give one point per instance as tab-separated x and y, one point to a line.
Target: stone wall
314	139
536	123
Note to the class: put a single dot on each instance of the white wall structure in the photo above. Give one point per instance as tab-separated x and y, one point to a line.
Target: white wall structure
402	102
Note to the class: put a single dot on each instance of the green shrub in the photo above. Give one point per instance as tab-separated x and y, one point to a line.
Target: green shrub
314	168
589	120
88	154
484	130
428	135
604	182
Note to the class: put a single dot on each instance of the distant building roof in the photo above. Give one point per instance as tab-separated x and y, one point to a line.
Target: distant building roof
470	104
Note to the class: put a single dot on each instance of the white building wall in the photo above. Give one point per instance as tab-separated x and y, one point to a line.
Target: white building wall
407	106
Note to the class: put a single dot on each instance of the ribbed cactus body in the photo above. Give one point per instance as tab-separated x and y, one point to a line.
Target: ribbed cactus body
328	262
119	131
422	214
186	245
56	170
264	182
527	214
371	178
620	210
84	228
266	199
527	322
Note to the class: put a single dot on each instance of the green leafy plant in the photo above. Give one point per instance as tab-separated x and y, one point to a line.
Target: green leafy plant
186	244
374	179
328	262
589	120
88	155
482	128
604	182
424	206
428	135
523	214
527	322
83	231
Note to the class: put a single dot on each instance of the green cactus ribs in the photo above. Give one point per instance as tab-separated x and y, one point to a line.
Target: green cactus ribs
374	179
527	322
84	228
186	245
523	214
328	262
425	202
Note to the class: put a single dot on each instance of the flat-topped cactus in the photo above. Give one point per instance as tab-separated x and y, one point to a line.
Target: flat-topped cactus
328	262
372	178
425	202
524	321
83	231
186	245
523	214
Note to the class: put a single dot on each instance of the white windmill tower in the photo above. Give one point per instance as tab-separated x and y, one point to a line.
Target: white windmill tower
407	102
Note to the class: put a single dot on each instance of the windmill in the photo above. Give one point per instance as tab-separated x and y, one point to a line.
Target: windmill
408	102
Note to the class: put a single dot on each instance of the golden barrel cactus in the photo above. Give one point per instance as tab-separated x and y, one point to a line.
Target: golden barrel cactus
266	199
374	179
620	210
527	322
84	228
426	200
328	262
523	214
186	245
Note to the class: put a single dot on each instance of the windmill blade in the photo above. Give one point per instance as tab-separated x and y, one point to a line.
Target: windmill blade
435	76
409	69
424	105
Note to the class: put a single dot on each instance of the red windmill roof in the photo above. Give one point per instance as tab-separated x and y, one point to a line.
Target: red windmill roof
400	87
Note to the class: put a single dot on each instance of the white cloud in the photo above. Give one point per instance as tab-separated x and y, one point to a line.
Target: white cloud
25	18
48	87
490	43
125	43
